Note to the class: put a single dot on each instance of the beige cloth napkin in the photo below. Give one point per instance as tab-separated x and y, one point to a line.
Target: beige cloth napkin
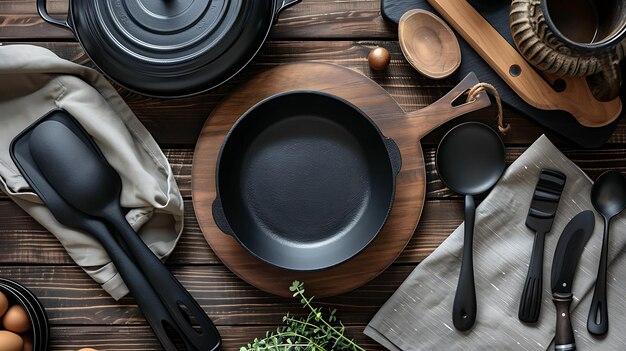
419	314
34	81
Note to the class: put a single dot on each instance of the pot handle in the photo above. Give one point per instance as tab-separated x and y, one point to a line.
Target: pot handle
394	155
443	110
281	5
43	12
220	217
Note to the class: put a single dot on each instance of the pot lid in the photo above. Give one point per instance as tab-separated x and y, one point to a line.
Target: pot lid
164	32
171	47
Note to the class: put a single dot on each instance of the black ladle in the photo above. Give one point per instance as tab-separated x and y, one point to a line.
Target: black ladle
470	159
608	196
82	176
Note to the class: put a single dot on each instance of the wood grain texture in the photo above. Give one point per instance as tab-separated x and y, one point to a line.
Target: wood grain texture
178	122
576	98
72	298
139	338
405	129
429	44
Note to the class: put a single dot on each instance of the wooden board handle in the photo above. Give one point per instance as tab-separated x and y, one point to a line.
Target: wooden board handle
504	59
442	110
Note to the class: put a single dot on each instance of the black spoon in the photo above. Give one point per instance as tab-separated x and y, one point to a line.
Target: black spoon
470	159
153	310
608	196
81	175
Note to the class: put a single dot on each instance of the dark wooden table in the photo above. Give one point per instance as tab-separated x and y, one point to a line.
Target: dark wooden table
337	31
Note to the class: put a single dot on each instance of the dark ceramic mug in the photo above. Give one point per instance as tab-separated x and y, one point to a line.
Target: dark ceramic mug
595	28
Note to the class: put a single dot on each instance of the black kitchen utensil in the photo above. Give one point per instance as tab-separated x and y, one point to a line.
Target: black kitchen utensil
608	196
147	300
541	214
61	163
169	48
470	159
566	256
497	13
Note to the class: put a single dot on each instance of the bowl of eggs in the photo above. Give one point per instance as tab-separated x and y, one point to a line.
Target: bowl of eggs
23	320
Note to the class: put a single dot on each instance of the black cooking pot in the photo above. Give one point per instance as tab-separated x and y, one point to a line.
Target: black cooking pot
170	48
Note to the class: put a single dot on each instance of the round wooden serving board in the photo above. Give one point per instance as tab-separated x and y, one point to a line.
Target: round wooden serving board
405	129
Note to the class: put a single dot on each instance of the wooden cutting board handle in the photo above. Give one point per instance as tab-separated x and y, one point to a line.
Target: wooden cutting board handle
576	98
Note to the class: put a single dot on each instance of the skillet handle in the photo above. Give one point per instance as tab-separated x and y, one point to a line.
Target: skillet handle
220	217
394	155
43	12
442	110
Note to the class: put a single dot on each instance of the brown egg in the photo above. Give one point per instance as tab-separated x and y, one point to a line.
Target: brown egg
10	341
16	319
379	59
88	349
28	343
4	304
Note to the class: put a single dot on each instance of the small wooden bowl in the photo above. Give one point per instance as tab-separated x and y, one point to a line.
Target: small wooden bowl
429	44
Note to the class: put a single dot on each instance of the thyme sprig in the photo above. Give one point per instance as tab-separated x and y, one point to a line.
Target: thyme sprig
318	331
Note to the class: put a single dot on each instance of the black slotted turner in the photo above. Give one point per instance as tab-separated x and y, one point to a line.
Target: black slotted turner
541	214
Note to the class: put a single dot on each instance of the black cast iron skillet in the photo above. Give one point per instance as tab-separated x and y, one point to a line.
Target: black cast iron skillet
305	180
166	48
163	301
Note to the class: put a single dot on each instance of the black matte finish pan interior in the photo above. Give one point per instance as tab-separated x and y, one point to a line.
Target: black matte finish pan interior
305	180
168	48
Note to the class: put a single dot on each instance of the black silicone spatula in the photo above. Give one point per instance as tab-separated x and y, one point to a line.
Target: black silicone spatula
77	170
540	217
148	301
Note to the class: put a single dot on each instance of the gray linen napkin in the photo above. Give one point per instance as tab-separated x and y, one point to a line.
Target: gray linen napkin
419	314
34	81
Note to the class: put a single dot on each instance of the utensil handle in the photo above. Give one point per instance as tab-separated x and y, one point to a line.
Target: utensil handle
508	63
220	217
564	340
394	155
530	303
281	5
43	12
176	299
598	318
153	310
443	110
464	309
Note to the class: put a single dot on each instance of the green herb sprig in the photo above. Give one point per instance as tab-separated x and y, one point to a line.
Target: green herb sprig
315	332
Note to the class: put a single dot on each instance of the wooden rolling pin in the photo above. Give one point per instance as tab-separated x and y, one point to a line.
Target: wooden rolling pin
576	98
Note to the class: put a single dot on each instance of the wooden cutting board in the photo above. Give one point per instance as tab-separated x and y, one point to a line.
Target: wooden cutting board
497	14
405	128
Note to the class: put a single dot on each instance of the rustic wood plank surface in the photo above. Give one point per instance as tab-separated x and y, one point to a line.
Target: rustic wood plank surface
336	31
